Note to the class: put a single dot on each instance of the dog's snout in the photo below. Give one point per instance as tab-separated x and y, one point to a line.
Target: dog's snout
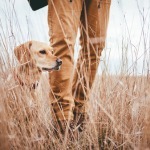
59	61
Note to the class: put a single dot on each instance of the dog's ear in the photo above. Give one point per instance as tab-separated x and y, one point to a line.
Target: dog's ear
23	53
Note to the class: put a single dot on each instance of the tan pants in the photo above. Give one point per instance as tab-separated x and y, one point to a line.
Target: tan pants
70	87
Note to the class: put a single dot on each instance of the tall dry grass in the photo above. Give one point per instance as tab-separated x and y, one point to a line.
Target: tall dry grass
118	113
119	117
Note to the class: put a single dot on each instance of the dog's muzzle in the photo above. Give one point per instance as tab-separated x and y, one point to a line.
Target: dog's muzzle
57	67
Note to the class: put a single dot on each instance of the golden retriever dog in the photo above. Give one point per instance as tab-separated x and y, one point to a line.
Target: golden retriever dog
34	58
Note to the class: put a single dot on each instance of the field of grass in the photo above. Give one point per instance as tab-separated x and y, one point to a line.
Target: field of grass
118	116
119	112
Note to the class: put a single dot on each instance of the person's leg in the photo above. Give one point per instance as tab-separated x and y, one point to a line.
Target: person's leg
94	22
63	20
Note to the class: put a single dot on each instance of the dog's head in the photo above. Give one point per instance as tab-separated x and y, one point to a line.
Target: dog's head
39	54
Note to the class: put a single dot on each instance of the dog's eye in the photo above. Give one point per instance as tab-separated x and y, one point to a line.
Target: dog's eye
42	51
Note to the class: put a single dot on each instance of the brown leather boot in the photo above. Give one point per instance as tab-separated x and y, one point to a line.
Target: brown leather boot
81	119
63	128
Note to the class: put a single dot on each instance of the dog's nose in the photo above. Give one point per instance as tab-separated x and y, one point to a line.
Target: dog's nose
59	61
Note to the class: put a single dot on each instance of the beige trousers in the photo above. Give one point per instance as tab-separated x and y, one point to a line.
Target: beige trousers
70	87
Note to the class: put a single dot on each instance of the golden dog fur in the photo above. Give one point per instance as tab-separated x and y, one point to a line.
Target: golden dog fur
34	57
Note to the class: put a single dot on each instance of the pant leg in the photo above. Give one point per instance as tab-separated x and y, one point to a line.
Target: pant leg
93	29
63	21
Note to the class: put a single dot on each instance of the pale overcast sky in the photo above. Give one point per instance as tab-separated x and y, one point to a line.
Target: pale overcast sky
129	21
